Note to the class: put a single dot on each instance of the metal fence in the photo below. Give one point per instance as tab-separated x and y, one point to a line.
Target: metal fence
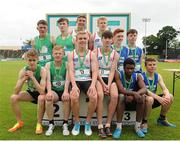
4	54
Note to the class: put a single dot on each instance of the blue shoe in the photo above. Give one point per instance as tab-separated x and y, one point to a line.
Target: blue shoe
117	133
165	123
76	129
144	130
88	131
140	134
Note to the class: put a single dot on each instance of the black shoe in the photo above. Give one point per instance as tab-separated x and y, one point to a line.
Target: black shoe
108	131
102	134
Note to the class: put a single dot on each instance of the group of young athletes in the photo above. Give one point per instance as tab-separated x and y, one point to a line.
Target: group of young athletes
97	64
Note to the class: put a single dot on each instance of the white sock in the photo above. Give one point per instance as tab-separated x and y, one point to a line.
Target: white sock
87	122
107	125
100	126
119	125
137	125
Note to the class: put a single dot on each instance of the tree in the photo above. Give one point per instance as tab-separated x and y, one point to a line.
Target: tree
175	44
151	44
166	34
156	44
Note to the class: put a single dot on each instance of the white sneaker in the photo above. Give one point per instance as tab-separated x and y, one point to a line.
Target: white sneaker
50	130
65	129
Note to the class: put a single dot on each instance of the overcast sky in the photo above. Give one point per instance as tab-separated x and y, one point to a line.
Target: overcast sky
19	17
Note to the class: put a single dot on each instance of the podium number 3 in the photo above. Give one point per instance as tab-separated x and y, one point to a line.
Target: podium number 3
127	116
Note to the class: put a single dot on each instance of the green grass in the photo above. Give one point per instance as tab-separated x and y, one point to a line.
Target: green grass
8	77
153	56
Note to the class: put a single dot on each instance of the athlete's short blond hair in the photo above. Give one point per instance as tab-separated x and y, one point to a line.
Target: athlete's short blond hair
81	32
147	60
31	53
57	48
101	18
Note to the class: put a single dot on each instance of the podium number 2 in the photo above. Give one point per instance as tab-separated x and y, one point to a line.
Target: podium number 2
56	109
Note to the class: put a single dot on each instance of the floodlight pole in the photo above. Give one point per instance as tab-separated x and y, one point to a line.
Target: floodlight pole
166	49
145	20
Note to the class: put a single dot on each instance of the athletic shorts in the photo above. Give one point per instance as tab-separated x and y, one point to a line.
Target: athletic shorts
34	95
59	93
130	106
105	79
83	85
156	103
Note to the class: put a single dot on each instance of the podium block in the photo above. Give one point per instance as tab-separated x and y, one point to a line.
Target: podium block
129	117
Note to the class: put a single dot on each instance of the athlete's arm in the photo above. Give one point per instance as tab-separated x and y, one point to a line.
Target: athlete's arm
161	100
164	88
67	82
53	40
162	85
98	73
91	42
32	43
40	87
48	86
71	73
113	68
141	85
155	96
94	66
141	59
65	96
118	83
71	69
21	79
120	86
49	94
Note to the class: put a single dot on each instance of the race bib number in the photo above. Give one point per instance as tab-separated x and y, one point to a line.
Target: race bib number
58	84
104	73
44	57
135	58
82	72
138	67
67	52
120	68
44	49
31	85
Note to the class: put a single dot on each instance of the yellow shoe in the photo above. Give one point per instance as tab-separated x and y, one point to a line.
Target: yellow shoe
39	128
18	125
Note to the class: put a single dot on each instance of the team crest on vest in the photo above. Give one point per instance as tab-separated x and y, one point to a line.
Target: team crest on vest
44	49
97	40
100	58
111	59
75	59
87	61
